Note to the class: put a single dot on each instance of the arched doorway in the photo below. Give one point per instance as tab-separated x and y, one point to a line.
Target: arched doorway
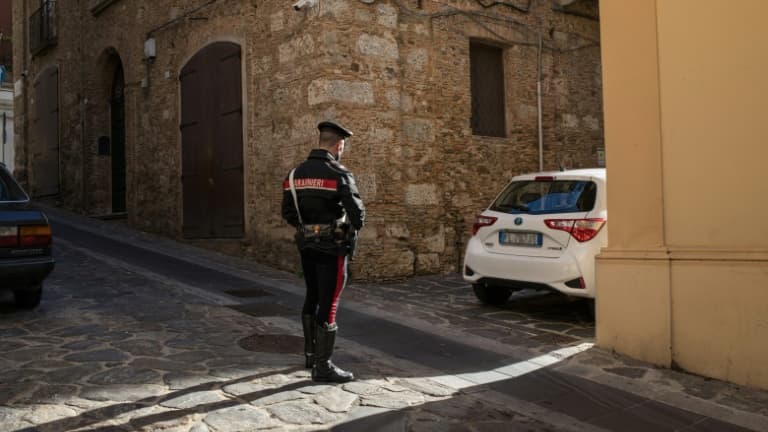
44	132
117	132
212	143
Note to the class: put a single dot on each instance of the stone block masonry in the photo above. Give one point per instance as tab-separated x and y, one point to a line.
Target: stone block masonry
396	72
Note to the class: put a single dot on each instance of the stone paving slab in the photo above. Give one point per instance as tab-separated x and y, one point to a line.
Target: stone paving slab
91	304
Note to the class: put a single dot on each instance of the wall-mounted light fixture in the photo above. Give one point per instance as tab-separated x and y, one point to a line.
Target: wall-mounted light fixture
304	4
150	49
150	53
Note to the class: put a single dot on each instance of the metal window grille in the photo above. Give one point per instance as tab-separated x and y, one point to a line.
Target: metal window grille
487	80
42	27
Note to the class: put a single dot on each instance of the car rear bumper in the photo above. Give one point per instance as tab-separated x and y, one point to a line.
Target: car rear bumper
17	273
521	272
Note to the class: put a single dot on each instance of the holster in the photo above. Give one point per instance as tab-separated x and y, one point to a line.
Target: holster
330	238
316	232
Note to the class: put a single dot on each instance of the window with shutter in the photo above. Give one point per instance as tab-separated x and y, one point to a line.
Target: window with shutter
487	80
42	27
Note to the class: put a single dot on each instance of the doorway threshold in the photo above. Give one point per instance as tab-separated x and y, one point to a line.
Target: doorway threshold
111	216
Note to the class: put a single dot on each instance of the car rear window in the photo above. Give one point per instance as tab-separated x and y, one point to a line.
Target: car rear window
9	189
536	197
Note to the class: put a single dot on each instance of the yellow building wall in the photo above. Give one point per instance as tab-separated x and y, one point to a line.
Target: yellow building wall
684	279
634	310
720	312
632	123
713	70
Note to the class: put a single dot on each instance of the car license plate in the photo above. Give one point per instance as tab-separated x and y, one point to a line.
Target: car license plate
517	238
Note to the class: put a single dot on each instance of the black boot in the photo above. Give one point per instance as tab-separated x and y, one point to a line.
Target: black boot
308	322
325	370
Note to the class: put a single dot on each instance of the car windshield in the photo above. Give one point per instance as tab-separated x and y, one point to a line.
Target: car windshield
536	197
9	189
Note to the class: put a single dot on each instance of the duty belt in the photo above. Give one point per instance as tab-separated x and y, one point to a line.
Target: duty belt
317	231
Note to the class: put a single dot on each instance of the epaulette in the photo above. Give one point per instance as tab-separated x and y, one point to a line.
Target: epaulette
336	166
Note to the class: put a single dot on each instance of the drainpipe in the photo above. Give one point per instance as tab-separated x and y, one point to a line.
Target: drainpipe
538	101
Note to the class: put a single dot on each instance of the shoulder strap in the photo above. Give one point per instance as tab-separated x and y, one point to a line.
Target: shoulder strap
293	193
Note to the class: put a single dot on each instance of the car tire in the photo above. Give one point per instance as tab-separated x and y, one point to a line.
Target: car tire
491	295
29	298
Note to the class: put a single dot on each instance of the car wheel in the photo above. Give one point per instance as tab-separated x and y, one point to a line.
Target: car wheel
30	298
492	295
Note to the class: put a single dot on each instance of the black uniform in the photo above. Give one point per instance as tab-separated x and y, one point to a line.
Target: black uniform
326	192
330	213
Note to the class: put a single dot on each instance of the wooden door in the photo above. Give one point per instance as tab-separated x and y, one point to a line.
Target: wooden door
212	143
44	151
117	115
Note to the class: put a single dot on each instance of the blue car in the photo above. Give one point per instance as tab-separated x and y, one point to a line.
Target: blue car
25	244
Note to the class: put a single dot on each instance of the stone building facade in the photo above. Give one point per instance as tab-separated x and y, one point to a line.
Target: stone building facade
6	85
187	115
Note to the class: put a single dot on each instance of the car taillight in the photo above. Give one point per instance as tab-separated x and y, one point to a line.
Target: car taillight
35	235
9	236
581	229
482	221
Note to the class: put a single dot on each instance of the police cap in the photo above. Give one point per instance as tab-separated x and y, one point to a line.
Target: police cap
338	129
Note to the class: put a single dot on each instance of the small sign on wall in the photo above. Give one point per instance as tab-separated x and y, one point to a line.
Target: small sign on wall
601	157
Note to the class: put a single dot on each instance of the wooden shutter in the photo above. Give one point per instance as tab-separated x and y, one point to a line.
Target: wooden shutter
487	77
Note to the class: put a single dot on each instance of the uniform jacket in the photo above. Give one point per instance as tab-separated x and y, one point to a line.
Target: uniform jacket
325	190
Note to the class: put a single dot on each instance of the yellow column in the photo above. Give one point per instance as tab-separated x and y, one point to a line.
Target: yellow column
684	279
633	291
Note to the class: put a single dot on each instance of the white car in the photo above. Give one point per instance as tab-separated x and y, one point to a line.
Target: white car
541	232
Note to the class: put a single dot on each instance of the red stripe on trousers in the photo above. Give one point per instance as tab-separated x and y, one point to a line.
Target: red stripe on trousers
340	279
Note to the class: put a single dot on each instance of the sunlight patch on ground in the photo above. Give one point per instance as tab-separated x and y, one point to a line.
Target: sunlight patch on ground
275	398
514	370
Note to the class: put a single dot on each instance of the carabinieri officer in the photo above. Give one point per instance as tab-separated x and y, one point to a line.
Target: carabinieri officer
321	200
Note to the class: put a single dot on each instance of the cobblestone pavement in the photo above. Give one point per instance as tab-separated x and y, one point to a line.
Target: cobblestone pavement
116	347
110	349
542	323
537	321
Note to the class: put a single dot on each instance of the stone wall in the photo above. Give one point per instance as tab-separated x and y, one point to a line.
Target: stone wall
394	72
